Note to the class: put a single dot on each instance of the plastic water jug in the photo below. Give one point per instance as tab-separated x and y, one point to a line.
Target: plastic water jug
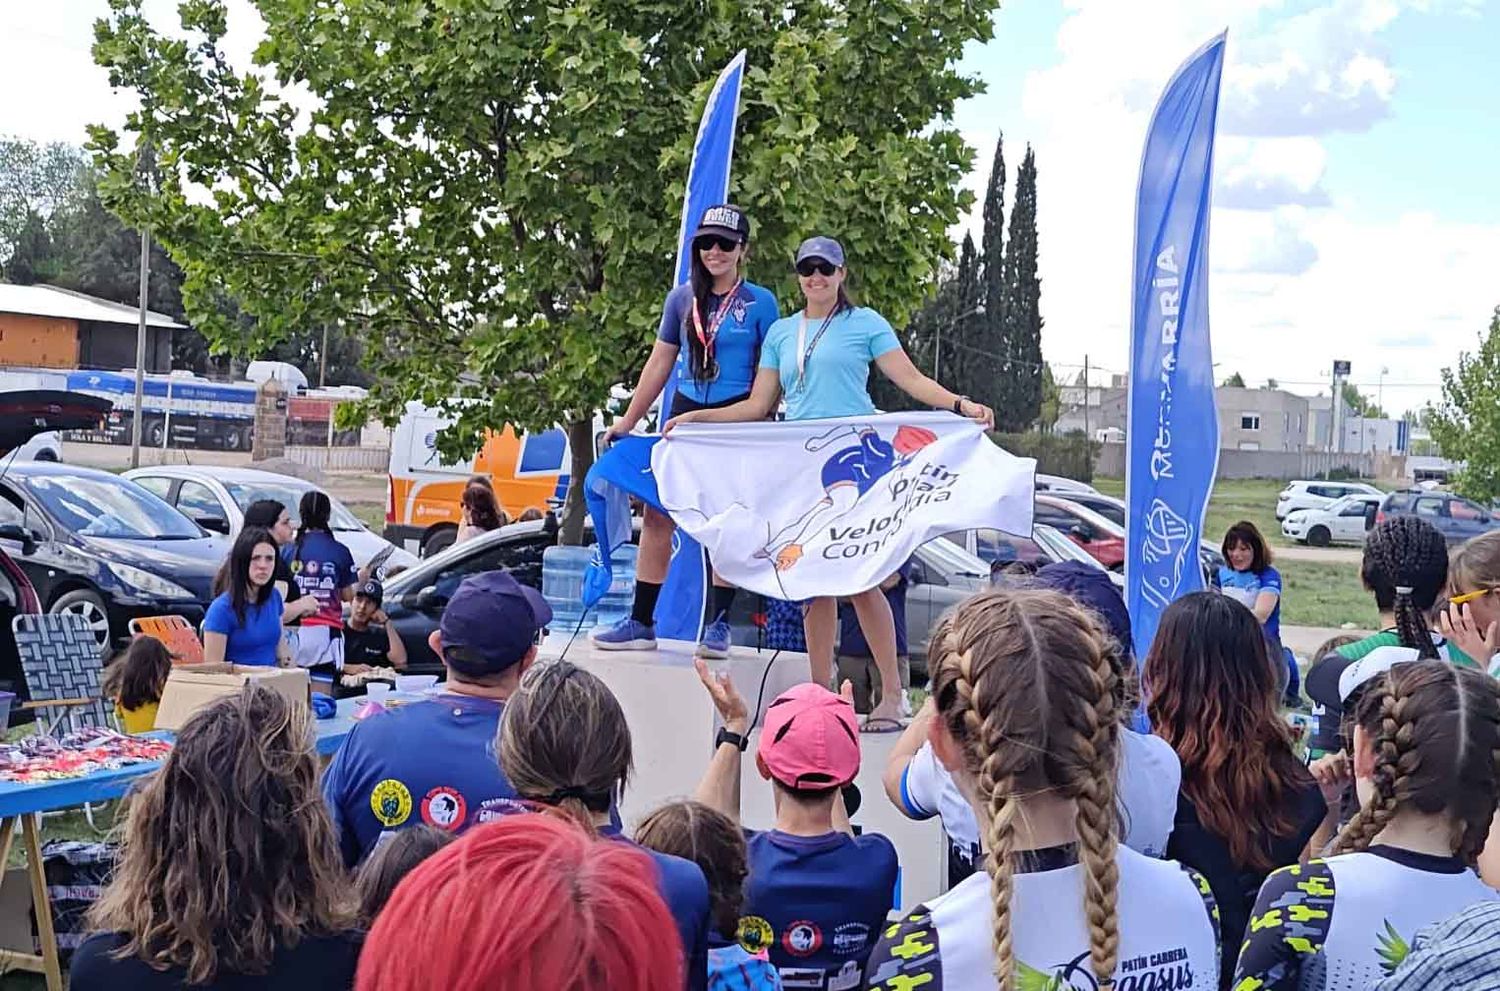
563	569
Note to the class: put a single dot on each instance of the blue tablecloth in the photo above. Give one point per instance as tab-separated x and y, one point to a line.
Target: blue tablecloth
47	796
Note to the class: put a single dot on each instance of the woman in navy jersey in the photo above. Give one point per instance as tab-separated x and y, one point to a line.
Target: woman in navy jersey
708	346
1425	739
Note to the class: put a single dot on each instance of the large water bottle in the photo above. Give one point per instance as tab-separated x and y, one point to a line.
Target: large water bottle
617	602
562	585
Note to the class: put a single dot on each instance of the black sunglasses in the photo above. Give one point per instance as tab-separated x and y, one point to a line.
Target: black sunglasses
540	635
707	241
808	266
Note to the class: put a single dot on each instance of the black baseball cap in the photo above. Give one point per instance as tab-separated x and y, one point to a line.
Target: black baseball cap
372	590
491	623
725	219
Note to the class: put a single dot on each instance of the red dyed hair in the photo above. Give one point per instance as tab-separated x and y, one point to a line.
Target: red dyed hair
524	903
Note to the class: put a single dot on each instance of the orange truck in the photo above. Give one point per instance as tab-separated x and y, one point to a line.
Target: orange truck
528	470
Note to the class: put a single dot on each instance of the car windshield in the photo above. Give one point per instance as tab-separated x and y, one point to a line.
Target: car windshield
110	507
947	557
1061	547
290	495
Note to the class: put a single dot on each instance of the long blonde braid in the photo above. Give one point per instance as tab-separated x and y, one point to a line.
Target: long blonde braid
1024	684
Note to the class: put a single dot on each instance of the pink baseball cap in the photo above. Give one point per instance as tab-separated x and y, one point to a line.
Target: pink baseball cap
810	738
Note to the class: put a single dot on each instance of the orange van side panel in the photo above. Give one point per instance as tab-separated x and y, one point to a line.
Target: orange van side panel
437	502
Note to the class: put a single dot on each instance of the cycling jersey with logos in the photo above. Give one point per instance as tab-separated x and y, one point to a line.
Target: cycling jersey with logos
1167	925
1348	921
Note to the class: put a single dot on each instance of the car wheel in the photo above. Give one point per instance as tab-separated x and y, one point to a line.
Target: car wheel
155	433
47	454
439	540
87	603
1318	536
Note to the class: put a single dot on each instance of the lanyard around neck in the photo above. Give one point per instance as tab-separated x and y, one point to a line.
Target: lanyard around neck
707	339
804	349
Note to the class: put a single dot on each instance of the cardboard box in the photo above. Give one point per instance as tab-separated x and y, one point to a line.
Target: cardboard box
190	687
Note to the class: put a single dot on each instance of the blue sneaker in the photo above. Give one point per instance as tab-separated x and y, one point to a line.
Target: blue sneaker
715	640
627	634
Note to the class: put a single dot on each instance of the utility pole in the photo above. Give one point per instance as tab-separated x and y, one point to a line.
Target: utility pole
1086	433
140	352
323	358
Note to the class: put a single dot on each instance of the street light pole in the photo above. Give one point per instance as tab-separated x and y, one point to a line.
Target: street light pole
140	351
937	345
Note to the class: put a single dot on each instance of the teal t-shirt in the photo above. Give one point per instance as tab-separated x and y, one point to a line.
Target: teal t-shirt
835	377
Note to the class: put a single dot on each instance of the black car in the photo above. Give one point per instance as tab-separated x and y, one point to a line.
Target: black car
1455	517
102	547
943	574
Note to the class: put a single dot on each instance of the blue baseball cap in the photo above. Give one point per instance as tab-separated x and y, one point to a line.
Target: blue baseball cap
490	623
825	248
1090	586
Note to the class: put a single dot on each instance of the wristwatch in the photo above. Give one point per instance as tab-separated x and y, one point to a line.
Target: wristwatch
735	739
958	405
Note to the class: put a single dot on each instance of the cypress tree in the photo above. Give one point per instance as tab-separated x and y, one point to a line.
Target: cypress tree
1022	392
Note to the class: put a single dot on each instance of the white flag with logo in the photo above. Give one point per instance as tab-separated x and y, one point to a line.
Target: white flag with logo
834	507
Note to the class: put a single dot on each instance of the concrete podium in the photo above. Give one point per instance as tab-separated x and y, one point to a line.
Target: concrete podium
672	727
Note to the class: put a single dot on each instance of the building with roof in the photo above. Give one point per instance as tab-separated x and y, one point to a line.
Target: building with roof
48	327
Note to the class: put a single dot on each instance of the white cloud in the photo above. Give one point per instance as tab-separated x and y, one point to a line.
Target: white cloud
1297	280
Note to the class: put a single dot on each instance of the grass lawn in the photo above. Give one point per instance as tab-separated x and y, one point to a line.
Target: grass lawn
1314	593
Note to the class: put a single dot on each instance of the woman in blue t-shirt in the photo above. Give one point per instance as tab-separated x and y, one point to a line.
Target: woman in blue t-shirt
323	569
819	360
723	319
1248	578
243	625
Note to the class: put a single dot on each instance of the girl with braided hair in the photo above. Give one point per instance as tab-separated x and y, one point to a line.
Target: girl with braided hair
1426	757
1028	724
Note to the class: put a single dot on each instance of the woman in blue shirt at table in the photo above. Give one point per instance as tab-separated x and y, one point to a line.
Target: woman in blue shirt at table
243	625
819	360
709	341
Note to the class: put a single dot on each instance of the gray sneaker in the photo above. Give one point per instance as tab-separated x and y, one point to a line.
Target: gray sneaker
627	634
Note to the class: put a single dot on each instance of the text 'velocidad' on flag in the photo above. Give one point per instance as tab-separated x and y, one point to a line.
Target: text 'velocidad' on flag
1172	429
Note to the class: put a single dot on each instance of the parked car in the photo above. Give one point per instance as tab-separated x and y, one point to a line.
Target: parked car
45	446
1045	546
101	546
1103	539
1056	483
943	575
17	597
1114	509
30	421
1302	494
216	498
1342	521
1455	517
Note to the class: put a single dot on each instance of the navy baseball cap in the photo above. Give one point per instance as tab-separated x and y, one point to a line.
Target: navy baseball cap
825	248
1090	586
372	590
725	219
490	623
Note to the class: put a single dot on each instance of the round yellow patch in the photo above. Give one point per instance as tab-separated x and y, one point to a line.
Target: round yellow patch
755	934
391	802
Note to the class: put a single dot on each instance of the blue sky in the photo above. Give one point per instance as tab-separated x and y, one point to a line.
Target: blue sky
1356	210
1356	213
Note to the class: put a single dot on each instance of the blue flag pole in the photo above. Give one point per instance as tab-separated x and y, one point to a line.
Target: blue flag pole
1172	428
679	609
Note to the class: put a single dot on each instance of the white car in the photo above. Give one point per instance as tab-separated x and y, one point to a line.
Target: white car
1342	521
1316	495
45	446
218	497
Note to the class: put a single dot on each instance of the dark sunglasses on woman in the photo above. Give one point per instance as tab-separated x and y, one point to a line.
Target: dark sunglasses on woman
725	244
808	266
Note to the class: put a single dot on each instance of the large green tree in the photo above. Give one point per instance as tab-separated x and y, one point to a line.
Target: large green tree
1019	400
491	190
36	181
1466	424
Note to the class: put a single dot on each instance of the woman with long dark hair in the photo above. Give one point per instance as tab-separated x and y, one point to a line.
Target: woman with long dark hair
1248	577
243	625
1247	806
324	570
481	512
819	360
722	319
229	875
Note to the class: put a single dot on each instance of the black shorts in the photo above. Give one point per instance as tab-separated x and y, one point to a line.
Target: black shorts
686	404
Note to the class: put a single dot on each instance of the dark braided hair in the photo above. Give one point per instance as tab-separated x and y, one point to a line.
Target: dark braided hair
1406	563
1435	729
